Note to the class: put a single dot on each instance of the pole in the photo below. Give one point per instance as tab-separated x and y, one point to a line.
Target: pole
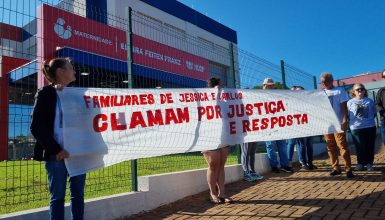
232	63
315	82
129	44
134	165
235	85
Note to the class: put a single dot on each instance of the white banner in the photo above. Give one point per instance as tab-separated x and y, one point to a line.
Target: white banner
107	126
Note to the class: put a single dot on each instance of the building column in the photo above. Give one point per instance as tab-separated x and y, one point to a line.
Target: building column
6	65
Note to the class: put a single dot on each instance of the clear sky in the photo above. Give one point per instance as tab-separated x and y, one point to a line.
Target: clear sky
345	37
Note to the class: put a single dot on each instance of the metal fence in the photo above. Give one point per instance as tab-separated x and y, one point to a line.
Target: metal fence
23	182
254	69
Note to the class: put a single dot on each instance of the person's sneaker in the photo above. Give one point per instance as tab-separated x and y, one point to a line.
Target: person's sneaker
369	167
335	173
312	166
275	169
248	177
359	167
349	174
256	176
305	166
287	169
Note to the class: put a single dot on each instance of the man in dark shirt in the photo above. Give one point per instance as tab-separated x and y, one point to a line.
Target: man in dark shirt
380	104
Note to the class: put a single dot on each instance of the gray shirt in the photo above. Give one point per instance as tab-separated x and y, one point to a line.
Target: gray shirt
361	113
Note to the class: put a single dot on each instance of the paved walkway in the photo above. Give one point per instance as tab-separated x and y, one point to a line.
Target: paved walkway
301	195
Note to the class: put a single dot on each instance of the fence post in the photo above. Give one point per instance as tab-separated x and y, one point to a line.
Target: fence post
129	44
134	165
283	74
232	66
315	82
235	84
315	87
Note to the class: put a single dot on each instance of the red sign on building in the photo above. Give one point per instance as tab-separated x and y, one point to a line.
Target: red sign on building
58	28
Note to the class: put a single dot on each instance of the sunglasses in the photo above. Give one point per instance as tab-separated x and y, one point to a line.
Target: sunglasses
383	76
360	89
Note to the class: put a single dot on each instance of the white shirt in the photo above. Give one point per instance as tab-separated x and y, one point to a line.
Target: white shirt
58	126
337	95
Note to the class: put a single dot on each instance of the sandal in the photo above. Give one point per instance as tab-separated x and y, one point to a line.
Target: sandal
215	200
226	200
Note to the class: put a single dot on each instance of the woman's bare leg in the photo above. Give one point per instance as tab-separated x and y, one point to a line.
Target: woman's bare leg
213	161
221	175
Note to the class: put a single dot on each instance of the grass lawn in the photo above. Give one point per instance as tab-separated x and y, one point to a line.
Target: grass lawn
23	184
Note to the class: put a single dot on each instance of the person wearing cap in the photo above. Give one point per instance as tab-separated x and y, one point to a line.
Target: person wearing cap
338	98
268	83
380	105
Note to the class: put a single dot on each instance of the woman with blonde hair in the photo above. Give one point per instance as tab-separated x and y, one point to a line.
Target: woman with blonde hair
362	112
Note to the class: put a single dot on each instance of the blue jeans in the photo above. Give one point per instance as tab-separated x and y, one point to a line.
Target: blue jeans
290	148
282	152
304	147
382	128
248	157
305	150
57	180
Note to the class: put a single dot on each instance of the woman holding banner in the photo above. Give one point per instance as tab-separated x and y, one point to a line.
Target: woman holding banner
216	160
47	128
